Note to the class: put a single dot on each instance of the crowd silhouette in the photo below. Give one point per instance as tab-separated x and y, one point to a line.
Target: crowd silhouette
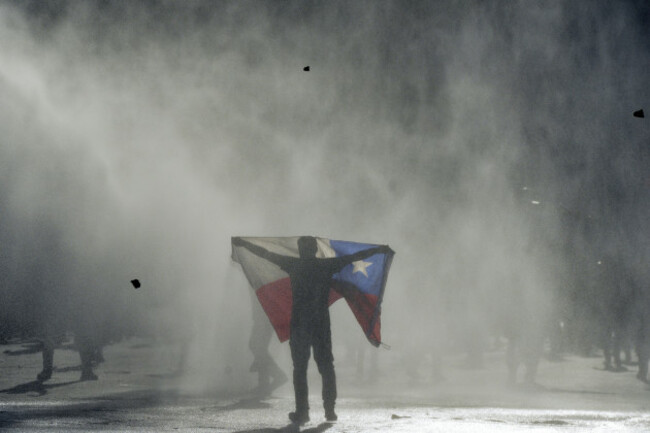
598	305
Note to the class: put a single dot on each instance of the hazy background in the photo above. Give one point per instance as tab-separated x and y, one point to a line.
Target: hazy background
137	137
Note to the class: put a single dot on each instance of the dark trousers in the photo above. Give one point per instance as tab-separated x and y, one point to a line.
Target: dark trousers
48	354
87	352
301	342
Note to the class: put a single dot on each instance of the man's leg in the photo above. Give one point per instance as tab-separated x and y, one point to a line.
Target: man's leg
266	368
325	361
644	355
86	348
300	347
258	344
276	373
48	359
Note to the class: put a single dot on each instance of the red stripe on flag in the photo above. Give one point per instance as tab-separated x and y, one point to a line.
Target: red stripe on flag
363	306
333	297
276	301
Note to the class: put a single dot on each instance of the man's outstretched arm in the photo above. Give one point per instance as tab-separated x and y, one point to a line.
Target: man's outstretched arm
275	258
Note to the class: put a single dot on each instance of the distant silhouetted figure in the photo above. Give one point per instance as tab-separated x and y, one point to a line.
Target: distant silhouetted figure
90	354
641	328
48	344
269	375
615	303
310	321
83	321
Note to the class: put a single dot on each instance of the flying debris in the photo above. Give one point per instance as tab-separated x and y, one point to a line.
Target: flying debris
306	69
639	113
136	283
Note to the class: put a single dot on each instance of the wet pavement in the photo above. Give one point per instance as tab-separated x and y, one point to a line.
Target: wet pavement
573	395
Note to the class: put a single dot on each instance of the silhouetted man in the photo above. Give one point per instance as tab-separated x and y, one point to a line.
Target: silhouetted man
311	279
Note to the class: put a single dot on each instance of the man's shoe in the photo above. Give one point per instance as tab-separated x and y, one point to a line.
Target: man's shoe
299	417
88	375
330	415
44	375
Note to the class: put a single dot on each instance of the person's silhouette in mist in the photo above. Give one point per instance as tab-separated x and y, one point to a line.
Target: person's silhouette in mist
86	343
311	279
269	375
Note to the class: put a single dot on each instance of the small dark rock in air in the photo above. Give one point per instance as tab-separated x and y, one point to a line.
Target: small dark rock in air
639	113
306	69
136	283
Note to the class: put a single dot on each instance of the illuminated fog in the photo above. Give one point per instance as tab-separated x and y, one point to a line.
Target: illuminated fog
477	139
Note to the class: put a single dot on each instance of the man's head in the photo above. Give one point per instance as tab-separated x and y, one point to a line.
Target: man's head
307	246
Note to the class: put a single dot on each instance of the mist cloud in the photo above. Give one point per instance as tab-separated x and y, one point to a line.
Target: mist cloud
136	138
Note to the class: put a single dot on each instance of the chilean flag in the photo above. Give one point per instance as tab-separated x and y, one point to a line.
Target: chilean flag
361	283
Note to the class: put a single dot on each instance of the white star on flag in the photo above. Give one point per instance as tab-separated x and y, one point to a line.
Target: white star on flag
361	266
